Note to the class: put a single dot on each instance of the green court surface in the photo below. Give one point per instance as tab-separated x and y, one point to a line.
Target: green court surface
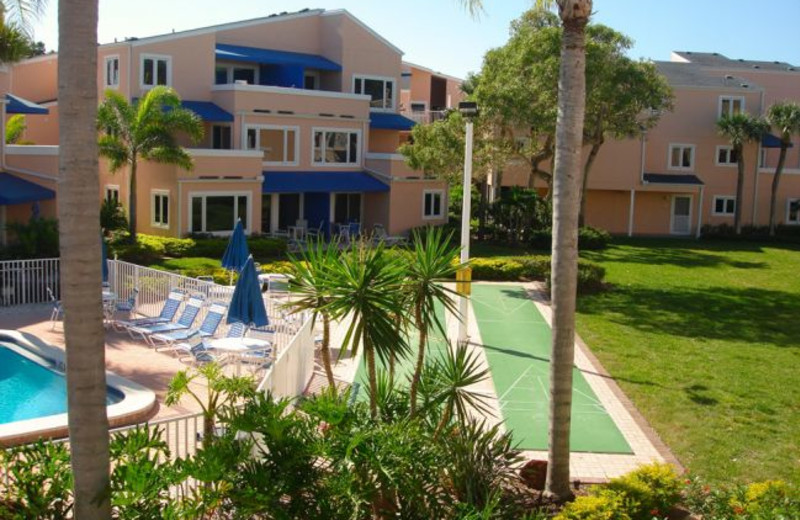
516	339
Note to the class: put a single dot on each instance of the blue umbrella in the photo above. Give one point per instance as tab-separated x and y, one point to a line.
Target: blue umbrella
104	258
237	252
247	305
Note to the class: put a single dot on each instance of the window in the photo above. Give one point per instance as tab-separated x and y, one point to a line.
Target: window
112	72
311	80
418	106
221	137
112	193
332	147
724	206
218	212
380	89
681	156
225	74
793	211
726	156
160	209
279	143
156	70
433	206
762	158
730	105
347	208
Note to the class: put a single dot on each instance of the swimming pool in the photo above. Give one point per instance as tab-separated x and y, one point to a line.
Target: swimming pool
33	392
28	389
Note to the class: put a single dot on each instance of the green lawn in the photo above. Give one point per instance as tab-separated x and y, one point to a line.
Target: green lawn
704	337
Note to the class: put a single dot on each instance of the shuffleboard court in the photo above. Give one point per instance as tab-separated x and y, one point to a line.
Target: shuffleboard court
516	339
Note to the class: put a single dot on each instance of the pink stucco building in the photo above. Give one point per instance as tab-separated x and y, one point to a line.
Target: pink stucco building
302	123
681	175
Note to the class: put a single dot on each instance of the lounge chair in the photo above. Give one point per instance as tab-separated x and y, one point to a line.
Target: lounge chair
183	349
208	327
198	351
58	309
379	235
128	305
167	314
186	320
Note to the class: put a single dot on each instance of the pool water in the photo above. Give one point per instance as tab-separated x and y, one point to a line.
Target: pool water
29	390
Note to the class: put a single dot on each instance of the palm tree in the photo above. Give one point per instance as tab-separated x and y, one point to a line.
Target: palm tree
310	283
79	219
16	18
429	264
146	130
22	12
740	129
785	118
364	286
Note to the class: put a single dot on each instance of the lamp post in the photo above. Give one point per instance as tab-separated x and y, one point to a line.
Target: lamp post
469	110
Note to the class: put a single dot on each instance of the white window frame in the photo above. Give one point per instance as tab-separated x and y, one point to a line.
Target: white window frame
442	203
155	58
205	194
725	198
111	188
788	211
731	99
229	72
680	168
286	129
385	79
730	151
326	129
156	199
107	81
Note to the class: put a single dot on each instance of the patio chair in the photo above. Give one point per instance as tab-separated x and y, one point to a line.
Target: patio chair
58	309
128	305
183	349
208	328
198	351
379	235
185	321
166	315
315	234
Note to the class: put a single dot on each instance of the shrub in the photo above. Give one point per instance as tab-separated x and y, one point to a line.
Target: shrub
589	239
267	247
112	216
36	239
601	505
496	269
279	266
650	490
509	269
772	499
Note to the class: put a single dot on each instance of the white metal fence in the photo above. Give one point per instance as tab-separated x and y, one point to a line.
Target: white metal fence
294	365
24	282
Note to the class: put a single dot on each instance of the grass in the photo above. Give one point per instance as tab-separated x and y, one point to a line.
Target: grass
704	337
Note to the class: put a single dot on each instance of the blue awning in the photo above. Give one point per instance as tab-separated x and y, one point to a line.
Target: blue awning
18	105
274	57
390	121
14	190
321	182
772	141
208	111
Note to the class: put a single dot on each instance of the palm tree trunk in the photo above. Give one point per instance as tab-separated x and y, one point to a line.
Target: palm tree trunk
423	339
132	200
776	180
79	227
737	213
585	181
373	379
325	351
566	203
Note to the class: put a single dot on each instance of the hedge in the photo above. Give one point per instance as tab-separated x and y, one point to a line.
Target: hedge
589	239
590	275
150	249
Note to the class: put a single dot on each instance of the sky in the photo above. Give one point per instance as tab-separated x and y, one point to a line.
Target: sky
441	34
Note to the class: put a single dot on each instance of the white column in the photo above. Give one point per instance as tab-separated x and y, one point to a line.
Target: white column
466	213
631	213
700	213
273	212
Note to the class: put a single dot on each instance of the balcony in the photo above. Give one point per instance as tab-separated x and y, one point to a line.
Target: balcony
425	116
391	165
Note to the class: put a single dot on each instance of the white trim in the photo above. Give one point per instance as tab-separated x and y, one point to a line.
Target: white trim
442	210
725	198
345	12
156	58
432	72
690	168
672	215
631	210
268	89
384	79
111	187
153	203
325	129
106	59
217	180
214	152
204	194
33	149
285	129
788	208
385	156
729	98
719	148
24	171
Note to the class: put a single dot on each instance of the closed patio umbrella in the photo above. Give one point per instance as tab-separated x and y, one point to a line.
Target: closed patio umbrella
247	304
237	252
104	259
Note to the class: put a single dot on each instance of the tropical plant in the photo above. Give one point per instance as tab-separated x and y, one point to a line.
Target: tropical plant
112	216
740	129
310	280
429	264
15	128
783	117
36	239
364	286
146	130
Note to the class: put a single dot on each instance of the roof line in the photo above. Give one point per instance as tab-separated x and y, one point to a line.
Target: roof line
435	72
345	12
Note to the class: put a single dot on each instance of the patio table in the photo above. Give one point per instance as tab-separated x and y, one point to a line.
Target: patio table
237	348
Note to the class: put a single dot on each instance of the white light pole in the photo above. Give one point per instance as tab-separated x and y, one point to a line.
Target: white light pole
469	110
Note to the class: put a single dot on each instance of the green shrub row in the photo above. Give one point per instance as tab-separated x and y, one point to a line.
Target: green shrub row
590	275
768	500
589	239
150	249
783	233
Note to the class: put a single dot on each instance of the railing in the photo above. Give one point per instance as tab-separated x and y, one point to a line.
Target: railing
294	365
23	282
424	116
